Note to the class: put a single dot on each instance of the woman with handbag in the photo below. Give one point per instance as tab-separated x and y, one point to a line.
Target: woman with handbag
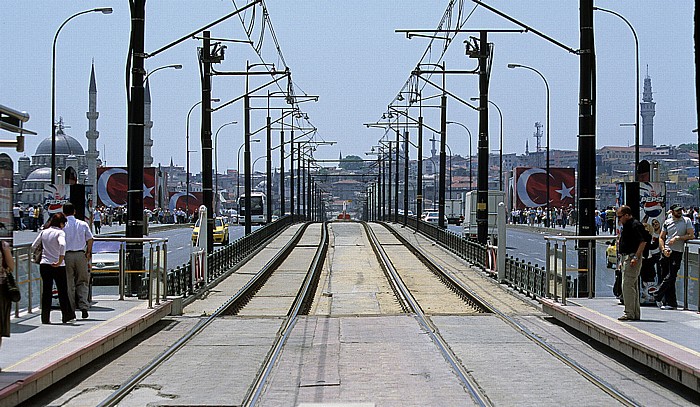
52	268
8	264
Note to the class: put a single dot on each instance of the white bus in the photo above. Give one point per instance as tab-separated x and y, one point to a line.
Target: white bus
258	211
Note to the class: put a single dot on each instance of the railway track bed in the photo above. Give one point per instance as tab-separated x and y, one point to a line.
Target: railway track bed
374	324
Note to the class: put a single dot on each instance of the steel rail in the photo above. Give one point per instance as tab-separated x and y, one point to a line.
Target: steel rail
588	375
448	279
467	381
126	387
301	306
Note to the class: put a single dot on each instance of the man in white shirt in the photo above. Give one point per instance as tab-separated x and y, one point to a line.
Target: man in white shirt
78	254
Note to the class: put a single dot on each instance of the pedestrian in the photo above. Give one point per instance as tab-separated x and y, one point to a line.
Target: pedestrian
674	232
53	268
78	254
97	220
8	264
36	213
610	219
633	239
17	218
696	221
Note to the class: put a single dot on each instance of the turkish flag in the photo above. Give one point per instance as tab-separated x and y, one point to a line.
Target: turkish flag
113	184
180	200
531	187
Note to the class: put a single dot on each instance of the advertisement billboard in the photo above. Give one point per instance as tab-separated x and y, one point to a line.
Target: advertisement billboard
530	187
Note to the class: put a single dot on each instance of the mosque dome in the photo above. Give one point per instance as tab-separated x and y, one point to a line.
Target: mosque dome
65	145
40	174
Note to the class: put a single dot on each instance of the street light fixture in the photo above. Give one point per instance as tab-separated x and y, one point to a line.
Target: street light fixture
238	168
174	66
546	85
470	150
187	146
636	59
500	145
103	10
216	157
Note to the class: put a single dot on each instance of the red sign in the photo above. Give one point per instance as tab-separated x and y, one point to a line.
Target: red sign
113	183
179	200
530	187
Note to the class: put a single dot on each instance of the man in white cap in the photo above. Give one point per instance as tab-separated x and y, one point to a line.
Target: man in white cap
674	232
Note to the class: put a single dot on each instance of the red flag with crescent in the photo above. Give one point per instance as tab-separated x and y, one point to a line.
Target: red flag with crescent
113	184
530	188
181	201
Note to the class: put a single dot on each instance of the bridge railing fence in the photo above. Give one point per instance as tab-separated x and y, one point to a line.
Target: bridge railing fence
180	281
529	279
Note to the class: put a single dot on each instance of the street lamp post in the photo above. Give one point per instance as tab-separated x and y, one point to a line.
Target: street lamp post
470	150
546	85
636	60
174	66
103	10
238	172
500	145
216	158
187	146
450	188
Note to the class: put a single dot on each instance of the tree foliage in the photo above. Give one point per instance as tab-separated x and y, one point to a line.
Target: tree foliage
351	162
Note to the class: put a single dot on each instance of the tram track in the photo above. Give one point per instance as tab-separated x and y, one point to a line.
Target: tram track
433	264
234	304
477	394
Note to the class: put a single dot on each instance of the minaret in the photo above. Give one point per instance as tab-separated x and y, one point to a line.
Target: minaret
648	110
92	134
147	125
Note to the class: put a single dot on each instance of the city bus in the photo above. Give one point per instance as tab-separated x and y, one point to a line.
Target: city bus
258	212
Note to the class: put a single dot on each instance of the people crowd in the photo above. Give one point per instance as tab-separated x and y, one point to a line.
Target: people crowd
558	216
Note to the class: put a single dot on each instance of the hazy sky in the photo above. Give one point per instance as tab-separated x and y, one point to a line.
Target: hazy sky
349	54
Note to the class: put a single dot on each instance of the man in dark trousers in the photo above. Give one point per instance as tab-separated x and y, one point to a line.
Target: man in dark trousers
632	243
674	232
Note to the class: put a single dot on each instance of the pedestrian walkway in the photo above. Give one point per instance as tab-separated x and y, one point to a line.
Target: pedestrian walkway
37	356
665	340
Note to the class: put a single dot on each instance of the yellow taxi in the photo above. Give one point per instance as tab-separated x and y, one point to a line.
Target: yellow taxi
221	232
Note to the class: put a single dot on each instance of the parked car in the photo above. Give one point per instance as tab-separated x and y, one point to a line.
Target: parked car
105	262
433	217
221	232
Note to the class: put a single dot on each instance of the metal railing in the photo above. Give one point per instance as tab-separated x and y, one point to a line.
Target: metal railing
687	278
555	282
527	278
153	265
27	277
220	262
156	283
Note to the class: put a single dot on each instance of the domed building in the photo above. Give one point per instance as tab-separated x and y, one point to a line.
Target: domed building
36	174
65	146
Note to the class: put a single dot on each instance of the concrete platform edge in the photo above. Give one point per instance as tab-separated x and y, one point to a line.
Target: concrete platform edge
53	372
674	368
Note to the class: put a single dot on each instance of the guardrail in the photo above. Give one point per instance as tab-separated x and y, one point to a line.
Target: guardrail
156	284
554	274
686	274
180	281
527	278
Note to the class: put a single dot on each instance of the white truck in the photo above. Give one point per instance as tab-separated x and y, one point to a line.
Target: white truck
469	226
454	211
